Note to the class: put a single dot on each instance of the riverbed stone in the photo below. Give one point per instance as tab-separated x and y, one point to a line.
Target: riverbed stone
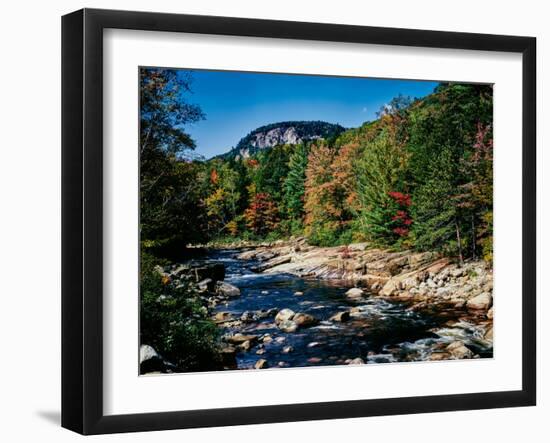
489	334
223	316
340	317
354	293
287	326
284	315
458	350
356	361
248	316
482	301
241	338
304	320
245	345
261	364
227	290
287	349
437	356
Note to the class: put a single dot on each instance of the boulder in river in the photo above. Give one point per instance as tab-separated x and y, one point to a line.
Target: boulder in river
437	356
354	293
481	301
227	290
223	316
458	350
261	364
304	320
340	317
488	334
287	349
284	315
357	361
287	326
245	345
241	338
248	316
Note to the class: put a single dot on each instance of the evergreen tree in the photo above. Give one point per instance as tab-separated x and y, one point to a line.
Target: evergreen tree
294	184
381	171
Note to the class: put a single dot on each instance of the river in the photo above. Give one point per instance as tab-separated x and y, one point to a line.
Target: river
379	331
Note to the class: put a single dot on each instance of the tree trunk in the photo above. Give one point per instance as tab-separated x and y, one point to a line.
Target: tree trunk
473	238
460	258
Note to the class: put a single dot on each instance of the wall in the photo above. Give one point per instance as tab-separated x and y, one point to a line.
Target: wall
30	221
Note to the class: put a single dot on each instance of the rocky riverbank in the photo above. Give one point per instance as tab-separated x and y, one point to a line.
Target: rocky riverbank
376	305
423	278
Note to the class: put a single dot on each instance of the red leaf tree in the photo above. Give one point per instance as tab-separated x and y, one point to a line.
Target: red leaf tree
262	215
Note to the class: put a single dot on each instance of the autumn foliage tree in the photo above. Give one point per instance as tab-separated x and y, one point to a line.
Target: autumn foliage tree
262	215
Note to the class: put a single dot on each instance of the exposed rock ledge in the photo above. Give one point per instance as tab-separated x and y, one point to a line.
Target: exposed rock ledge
421	278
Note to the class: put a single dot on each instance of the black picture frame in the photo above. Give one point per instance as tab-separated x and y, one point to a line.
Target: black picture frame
82	219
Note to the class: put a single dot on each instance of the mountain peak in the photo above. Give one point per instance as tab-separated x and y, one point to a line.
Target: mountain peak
289	132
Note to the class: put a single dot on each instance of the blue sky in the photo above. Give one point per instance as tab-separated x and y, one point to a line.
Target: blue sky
236	103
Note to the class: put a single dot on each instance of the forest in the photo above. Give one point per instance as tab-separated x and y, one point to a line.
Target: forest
418	177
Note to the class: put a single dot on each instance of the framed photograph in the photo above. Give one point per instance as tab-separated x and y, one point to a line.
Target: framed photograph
269	221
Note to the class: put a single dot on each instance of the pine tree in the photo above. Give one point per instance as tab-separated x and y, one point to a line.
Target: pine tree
294	184
380	172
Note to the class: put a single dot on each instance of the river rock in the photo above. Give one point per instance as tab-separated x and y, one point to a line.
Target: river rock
245	345
481	301
314	360
261	364
437	356
287	326
206	285
298	293
340	316
391	286
241	338
287	349
304	320
489	334
284	315
267	338
458	350
149	360
490	313
248	316
356	361
223	316
354	293
227	290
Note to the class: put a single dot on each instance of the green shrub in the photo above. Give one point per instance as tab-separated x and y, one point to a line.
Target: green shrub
175	322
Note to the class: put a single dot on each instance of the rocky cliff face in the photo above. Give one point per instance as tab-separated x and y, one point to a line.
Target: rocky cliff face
283	133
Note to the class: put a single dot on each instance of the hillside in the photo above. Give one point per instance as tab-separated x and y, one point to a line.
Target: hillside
290	132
